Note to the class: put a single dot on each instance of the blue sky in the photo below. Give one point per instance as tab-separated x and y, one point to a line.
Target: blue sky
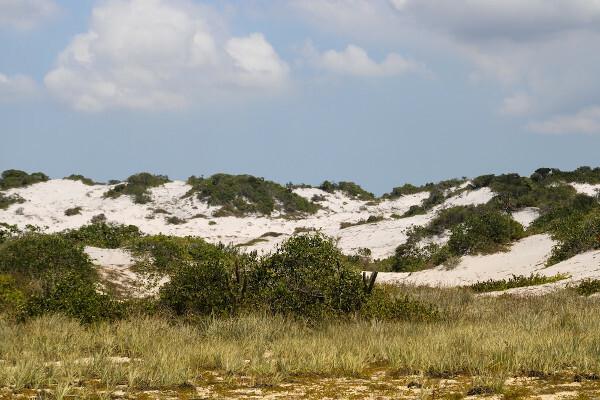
381	92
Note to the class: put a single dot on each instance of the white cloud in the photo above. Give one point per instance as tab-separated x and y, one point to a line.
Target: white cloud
16	87
517	104
154	54
586	121
354	60
26	14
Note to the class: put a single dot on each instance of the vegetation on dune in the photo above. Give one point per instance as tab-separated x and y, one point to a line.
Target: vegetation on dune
576	233
588	287
239	195
102	234
408	188
516	281
137	186
350	188
370	220
8	200
69	212
14	178
82	179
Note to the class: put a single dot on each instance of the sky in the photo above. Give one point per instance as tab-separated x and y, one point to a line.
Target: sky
380	92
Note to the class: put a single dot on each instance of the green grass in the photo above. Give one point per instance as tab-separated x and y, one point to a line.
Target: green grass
498	337
516	281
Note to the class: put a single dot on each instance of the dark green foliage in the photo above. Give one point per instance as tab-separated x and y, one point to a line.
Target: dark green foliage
7	201
387	303
436	196
166	254
370	220
69	212
174	220
137	186
239	195
13	178
515	281
408	188
200	287
581	175
31	255
307	277
69	293
486	232
7	231
11	297
82	179
410	257
575	234
588	287
102	234
350	188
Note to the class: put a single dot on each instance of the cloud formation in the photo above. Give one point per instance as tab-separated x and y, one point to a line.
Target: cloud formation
586	121
16	87
148	54
355	61
25	14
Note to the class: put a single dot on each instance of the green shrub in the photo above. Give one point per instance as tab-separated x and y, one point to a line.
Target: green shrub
69	212
8	200
370	220
436	197
8	231
82	179
174	220
200	287
307	277
67	292
386	303
239	195
350	188
408	188
515	281
14	178
411	257
575	234
487	232
588	287
11	297
102	234
137	186
32	255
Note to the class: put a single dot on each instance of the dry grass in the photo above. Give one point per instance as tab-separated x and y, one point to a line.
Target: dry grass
490	337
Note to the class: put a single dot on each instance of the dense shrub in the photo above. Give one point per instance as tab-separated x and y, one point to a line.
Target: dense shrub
7	231
69	293
11	297
575	234
487	232
350	188
82	179
14	178
137	186
515	281
412	257
307	277
244	194
408	188
102	234
581	175
31	255
8	200
386	303
166	254
202	287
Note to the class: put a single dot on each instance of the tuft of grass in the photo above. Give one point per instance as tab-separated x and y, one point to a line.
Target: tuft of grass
515	281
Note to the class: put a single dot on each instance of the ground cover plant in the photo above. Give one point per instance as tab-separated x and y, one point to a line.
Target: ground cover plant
14	178
239	195
137	186
515	281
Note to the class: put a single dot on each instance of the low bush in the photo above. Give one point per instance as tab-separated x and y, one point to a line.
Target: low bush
238	195
102	234
408	188
69	293
8	200
31	255
370	220
486	232
412	257
174	220
350	188
515	281
11	297
387	303
137	186
69	212
435	198
588	287
307	276
14	178
575	234
8	231
82	179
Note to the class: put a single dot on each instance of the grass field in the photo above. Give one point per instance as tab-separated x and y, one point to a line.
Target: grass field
487	340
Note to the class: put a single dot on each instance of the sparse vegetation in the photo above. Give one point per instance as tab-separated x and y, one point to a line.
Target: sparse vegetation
516	281
350	188
238	195
370	220
69	212
82	179
8	200
137	186
14	178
